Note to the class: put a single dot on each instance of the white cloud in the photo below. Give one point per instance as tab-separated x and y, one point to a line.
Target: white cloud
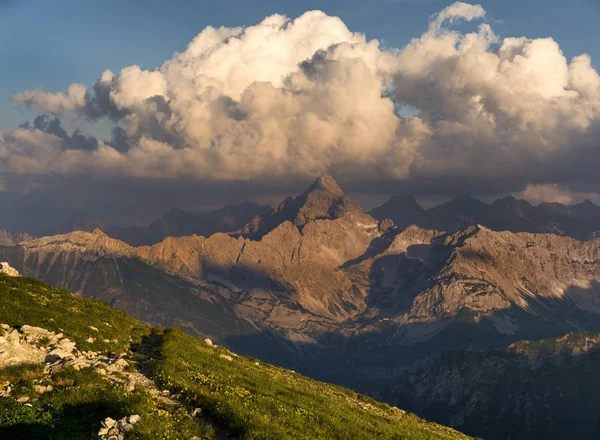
536	194
300	97
55	103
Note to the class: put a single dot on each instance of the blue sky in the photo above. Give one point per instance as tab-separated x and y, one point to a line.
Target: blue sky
52	44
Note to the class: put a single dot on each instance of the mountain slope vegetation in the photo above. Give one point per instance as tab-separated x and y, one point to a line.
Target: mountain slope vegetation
240	396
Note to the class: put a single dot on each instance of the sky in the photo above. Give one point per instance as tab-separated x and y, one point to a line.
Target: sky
489	112
53	44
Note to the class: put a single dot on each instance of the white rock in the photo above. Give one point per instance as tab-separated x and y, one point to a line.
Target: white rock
208	342
6	269
42	389
121	363
134	419
59	353
14	337
109	423
224	356
35	334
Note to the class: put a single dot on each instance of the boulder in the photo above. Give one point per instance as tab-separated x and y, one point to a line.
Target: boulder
6	269
36	334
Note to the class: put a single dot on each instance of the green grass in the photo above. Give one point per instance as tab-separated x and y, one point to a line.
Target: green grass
78	403
28	301
262	402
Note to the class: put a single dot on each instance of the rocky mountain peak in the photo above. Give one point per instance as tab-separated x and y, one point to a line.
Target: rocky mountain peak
324	199
466	204
588	202
326	183
402	209
79	221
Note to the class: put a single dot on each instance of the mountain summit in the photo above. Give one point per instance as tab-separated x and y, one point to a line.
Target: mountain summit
402	209
324	199
326	183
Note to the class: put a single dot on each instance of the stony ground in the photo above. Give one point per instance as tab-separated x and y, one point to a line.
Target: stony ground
35	345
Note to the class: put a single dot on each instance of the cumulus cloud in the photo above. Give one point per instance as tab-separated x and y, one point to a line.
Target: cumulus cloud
536	194
298	97
55	103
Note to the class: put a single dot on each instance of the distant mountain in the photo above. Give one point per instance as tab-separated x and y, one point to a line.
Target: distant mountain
581	221
403	210
8	238
79	221
589	211
176	222
532	389
456	214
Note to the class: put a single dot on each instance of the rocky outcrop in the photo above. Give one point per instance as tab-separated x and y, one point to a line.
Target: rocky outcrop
6	269
117	429
31	345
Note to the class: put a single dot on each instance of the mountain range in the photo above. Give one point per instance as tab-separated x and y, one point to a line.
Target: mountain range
176	222
320	286
580	221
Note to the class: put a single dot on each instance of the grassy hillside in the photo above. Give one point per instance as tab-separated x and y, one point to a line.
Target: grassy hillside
263	402
239	395
28	301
